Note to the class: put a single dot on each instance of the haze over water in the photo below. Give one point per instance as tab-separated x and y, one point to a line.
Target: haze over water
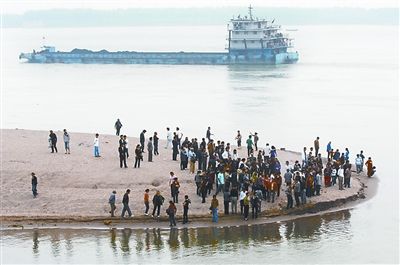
343	89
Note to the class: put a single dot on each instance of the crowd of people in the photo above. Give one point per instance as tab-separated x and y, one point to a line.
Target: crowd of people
246	183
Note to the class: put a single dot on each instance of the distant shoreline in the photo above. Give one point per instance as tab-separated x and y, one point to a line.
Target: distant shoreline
69	197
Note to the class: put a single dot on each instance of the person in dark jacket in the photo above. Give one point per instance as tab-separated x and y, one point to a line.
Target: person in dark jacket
53	141
175	149
254	201
138	155
171	211
186	209
122	156
111	201
34	185
227	200
118	126
125	202
142	139
155	143
158	200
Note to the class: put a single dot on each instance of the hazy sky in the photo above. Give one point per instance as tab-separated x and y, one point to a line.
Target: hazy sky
21	6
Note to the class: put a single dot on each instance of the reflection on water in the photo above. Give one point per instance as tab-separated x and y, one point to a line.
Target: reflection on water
127	245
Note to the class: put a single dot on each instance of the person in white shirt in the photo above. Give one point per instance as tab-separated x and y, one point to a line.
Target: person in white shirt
96	144
340	177
241	198
359	164
169	139
234	155
267	151
288	166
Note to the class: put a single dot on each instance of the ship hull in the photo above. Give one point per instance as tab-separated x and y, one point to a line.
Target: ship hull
172	58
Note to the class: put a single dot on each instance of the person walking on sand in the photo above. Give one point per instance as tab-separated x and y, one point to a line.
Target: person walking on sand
66	139
316	146
125	202
142	139
158	200
155	143
171	211
122	156
169	139
256	138
126	146
96	145
53	141
146	199
111	201
118	126
34	185
238	139
214	209
329	150
186	209
150	149
138	156
370	166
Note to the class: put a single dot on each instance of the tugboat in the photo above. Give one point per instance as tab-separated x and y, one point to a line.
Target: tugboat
250	41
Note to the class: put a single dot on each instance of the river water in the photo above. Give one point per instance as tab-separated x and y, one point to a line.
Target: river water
344	89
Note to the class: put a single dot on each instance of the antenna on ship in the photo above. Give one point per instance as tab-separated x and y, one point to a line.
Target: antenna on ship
250	14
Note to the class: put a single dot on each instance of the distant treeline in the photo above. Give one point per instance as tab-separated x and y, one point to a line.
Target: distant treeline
199	16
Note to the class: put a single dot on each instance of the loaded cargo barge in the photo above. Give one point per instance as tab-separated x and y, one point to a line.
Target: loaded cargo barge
250	41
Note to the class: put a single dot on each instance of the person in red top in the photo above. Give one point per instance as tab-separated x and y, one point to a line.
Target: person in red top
146	201
267	185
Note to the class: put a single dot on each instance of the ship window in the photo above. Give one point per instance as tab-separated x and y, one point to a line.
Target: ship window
254	32
245	33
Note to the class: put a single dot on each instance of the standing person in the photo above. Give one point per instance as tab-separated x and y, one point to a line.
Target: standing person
288	192
111	201
246	204
171	211
192	160
288	177
169	139
304	158
66	139
249	143
208	133
175	148
150	149
179	136
242	195
155	143
34	184
118	126
158	200
125	203
146	200
186	209
122	156
175	189
238	139
96	145
142	139
227	200
234	198
340	177
347	176
359	164
346	154
329	150
318	183
362	159
214	209
138	155
256	140
297	192
53	141
370	167
316	146
125	139
254	201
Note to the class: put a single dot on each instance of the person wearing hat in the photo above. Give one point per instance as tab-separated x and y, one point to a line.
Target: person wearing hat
111	201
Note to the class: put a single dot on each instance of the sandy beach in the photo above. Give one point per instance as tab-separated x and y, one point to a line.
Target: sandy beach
77	186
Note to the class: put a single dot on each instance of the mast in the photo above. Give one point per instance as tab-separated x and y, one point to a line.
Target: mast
250	14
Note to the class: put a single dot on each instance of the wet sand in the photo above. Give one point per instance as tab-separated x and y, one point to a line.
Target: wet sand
75	188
